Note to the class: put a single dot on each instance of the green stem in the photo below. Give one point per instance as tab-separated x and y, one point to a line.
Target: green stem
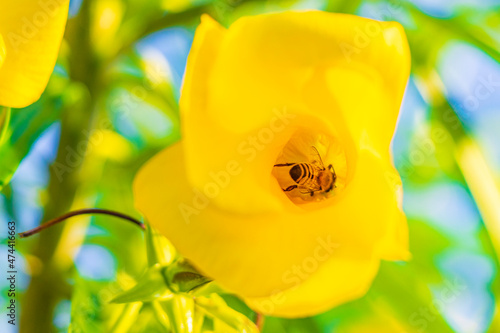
43	293
166	21
127	318
4	123
49	286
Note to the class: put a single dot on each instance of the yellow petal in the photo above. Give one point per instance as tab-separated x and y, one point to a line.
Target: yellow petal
337	281
395	245
264	62
289	66
32	32
250	253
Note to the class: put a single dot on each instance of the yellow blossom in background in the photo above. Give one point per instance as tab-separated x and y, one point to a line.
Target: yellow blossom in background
175	5
2	51
277	89
32	31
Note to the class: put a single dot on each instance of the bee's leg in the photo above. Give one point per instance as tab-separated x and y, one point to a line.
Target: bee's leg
283	164
289	188
312	192
306	190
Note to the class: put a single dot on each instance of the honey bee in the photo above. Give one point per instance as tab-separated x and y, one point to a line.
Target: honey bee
311	177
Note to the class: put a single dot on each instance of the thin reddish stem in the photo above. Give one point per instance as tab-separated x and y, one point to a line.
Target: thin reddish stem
80	212
259	320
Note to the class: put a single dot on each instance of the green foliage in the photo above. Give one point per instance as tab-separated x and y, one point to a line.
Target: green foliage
225	317
19	130
171	294
91	311
151	286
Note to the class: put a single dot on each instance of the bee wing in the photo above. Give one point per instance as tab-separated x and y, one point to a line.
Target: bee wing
309	189
317	164
317	161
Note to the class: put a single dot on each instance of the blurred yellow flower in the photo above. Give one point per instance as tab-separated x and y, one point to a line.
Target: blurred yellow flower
2	51
295	87
175	5
31	31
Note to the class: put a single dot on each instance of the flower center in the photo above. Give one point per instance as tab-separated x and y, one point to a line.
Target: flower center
311	167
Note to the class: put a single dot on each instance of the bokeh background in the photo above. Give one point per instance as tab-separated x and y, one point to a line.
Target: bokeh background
112	103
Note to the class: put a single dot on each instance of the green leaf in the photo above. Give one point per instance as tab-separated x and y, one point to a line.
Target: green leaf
127	318
406	292
152	286
161	316
90	311
282	325
180	311
208	289
183	277
24	127
458	26
215	307
4	123
396	301
9	161
159	249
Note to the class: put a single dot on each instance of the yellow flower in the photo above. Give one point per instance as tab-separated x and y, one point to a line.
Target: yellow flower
31	31
265	92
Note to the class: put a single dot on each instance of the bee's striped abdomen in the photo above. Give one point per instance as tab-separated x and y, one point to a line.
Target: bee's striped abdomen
303	173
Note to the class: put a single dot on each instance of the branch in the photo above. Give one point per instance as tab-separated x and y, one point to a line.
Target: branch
77	213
